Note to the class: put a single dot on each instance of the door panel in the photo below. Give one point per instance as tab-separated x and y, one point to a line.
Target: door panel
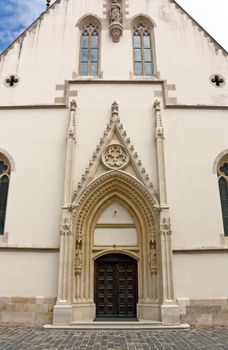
115	286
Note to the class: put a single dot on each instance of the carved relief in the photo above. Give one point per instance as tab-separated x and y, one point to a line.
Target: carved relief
66	227
115	157
165	226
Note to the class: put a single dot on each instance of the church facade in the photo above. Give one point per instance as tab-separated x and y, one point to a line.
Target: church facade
114	168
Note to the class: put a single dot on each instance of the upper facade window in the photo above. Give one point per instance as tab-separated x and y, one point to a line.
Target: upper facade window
4	185
223	189
143	58
89	50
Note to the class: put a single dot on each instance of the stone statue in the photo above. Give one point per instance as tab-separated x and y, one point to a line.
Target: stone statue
78	261
115	12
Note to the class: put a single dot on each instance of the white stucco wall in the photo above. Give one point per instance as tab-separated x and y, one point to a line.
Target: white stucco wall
193	140
40	68
36	141
35	138
28	273
200	275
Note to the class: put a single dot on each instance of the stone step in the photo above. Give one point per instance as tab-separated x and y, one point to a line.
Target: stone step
118	325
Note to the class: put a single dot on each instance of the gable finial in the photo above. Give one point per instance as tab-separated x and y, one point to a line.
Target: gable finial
115	112
48	3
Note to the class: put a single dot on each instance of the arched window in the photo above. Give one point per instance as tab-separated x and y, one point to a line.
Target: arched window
89	48
4	186
223	189
142	45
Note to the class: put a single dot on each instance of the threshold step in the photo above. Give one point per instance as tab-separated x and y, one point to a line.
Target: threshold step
118	325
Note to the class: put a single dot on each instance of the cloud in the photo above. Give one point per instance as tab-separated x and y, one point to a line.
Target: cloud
16	16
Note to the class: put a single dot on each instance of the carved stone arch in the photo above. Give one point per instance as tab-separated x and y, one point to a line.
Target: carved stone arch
121	200
218	159
90	17
116	185
9	158
116	251
144	18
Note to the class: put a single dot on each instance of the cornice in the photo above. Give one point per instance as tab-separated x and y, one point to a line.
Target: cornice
45	106
201	250
166	106
29	248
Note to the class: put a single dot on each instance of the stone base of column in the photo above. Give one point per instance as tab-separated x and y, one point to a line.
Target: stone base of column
85	312
148	312
62	315
170	314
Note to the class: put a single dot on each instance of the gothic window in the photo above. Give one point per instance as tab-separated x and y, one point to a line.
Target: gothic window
89	51
143	60
223	189
4	185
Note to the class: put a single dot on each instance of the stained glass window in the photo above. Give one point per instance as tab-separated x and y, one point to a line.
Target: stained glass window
143	64
89	55
4	185
223	189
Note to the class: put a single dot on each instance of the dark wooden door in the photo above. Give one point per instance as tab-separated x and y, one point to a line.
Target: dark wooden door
115	286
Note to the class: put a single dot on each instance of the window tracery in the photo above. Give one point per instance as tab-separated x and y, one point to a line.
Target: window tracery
143	61
89	51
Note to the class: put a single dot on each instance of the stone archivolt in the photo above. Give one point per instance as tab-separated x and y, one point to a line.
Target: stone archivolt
115	175
117	186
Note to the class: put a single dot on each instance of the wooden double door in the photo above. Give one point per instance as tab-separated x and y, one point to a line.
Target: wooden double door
116	286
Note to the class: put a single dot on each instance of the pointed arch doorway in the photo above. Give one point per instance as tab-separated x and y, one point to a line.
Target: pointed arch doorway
115	287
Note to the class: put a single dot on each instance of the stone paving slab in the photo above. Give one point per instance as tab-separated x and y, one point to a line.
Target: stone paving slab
16	338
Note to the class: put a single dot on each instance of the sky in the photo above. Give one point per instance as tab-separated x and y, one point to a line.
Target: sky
16	15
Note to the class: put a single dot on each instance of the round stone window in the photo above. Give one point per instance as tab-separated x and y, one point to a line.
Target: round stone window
115	157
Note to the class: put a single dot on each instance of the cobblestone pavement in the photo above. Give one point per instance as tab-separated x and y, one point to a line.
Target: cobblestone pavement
41	339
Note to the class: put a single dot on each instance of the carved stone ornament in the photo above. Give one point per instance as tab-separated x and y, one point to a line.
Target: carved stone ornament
78	262
115	27
166	226
11	80
115	157
66	227
115	125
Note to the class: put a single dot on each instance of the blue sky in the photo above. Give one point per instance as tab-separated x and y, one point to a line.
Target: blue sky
16	15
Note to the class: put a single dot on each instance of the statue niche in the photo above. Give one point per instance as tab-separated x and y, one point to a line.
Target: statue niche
115	19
